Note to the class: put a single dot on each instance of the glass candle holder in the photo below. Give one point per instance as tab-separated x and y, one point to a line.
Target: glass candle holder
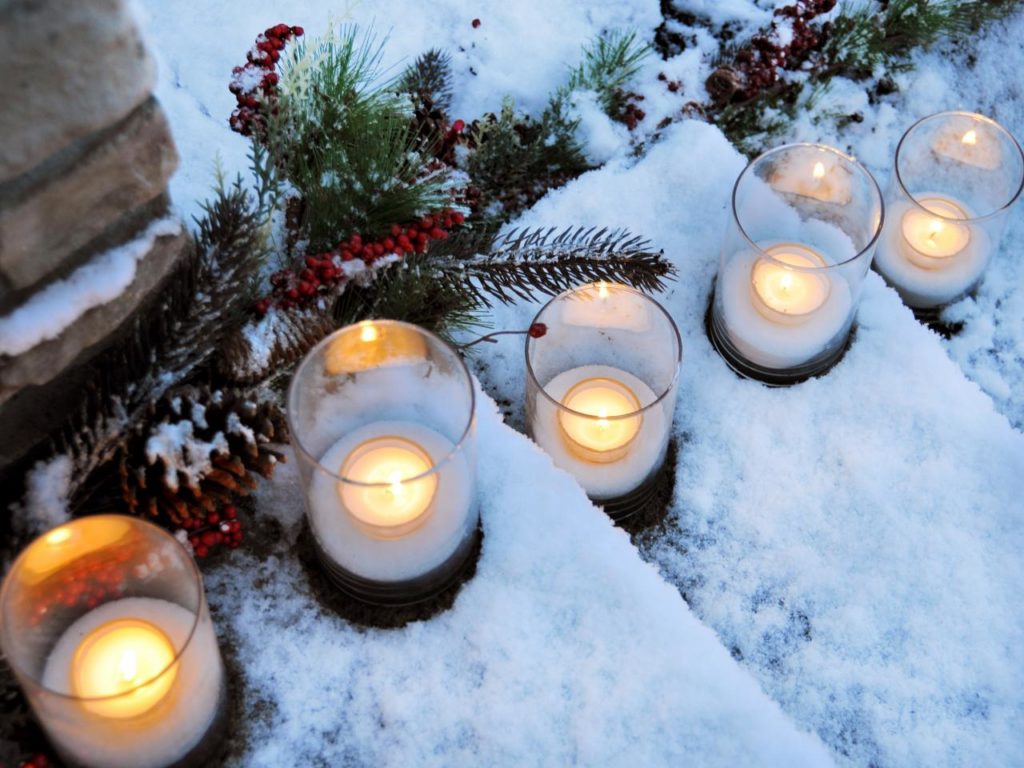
956	175
382	420
106	628
804	225
601	391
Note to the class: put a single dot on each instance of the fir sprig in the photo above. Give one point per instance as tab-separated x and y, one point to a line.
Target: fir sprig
528	263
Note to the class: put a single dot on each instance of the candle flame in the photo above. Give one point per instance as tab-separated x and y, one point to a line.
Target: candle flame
819	170
971	137
934	229
786	282
58	536
397	489
602	418
369	332
128	666
602	290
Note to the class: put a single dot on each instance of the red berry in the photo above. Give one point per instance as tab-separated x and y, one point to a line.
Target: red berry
201	551
438	234
404	243
378	249
230	512
307	275
213	518
396	230
458	126
292	293
458	218
298	31
476	23
426	223
389	244
328	273
538	330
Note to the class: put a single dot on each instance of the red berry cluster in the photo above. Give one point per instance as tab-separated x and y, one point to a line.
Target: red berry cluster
324	272
761	61
217	529
38	760
255	83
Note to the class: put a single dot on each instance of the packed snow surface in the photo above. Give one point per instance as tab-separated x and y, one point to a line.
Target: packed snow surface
850	546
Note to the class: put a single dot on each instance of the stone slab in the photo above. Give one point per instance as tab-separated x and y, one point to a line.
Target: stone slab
55	218
71	67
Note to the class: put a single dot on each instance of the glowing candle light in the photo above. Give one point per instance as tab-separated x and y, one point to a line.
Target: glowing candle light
973	146
600	435
369	345
382	491
787	295
66	543
123	668
934	238
825	180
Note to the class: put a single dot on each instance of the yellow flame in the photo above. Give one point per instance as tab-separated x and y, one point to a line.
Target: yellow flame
971	137
395	478
602	290
819	170
128	666
786	282
59	535
602	420
369	332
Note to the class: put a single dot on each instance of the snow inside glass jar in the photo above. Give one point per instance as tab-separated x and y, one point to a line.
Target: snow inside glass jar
106	628
804	225
956	175
382	420
601	390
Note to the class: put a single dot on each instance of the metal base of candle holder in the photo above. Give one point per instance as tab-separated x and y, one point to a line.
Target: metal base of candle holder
932	317
745	369
208	751
389	604
648	504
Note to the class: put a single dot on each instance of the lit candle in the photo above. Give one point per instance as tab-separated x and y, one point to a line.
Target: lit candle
607	437
931	253
934	238
789	295
391	501
826	179
127	665
608	456
409	522
606	305
969	142
778	316
369	345
148	684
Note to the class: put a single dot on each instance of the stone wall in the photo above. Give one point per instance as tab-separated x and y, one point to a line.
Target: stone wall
84	164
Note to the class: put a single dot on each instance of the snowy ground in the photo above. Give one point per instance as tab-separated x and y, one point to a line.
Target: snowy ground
848	548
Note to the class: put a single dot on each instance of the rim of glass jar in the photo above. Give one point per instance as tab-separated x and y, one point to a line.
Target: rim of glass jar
762	253
960	113
197	580
633	414
438	464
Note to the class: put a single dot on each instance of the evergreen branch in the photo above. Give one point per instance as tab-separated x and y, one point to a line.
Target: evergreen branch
609	62
429	80
526	263
862	38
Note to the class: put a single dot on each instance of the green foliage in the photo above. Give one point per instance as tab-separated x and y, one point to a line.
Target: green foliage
609	62
428	80
865	36
516	158
344	140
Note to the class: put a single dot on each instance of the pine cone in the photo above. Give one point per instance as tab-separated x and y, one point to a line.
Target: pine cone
199	450
724	83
